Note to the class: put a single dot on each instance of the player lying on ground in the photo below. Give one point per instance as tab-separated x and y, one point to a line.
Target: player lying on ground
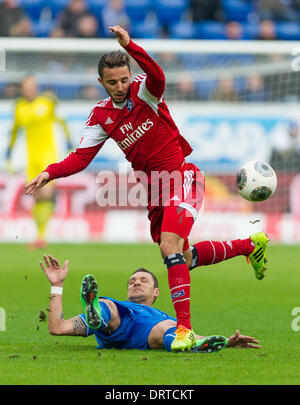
137	118
131	324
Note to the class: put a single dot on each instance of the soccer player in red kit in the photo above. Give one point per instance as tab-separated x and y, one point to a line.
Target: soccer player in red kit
136	116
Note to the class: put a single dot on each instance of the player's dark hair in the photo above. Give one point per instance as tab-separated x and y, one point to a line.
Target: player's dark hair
111	60
155	281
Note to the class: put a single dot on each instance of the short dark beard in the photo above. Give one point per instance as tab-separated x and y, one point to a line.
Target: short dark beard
119	102
138	300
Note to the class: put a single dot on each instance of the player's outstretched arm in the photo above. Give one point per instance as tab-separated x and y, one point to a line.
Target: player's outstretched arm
73	163
155	81
121	35
38	182
13	135
242	341
12	141
57	325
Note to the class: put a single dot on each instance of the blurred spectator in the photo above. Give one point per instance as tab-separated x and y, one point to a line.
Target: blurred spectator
285	154
168	60
87	27
296	5
255	90
234	30
225	90
11	91
185	88
114	13
205	10
13	20
267	30
68	24
91	93
276	10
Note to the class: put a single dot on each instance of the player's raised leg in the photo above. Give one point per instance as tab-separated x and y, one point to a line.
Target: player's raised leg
258	258
210	252
99	313
90	301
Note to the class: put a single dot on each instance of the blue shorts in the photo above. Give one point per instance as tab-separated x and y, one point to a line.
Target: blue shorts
137	321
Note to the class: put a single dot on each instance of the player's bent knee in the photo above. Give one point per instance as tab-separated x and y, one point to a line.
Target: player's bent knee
170	244
188	257
156	336
115	319
167	248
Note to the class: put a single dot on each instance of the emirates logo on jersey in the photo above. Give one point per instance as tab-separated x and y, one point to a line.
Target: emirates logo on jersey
134	134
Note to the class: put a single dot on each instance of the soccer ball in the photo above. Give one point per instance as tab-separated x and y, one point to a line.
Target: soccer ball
256	181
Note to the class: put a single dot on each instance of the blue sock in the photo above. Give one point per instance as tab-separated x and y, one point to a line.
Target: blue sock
168	338
105	315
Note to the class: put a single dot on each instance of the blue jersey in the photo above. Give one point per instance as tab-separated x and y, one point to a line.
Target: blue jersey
137	321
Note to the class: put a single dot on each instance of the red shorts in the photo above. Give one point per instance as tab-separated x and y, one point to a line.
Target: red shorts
180	204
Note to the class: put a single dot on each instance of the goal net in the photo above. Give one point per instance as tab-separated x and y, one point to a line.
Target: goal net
234	101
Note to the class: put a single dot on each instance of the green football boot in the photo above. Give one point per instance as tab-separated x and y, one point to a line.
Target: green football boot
184	340
258	256
210	344
90	301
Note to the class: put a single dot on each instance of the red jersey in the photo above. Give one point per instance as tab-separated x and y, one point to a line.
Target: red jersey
141	126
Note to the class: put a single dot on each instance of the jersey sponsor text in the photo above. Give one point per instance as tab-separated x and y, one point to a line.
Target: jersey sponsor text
135	135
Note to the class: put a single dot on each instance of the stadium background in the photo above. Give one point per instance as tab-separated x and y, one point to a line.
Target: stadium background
232	84
233	90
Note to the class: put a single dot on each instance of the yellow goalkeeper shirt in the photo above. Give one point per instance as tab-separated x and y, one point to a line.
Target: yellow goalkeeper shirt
37	118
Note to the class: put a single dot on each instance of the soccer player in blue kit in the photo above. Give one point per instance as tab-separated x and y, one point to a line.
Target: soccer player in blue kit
131	324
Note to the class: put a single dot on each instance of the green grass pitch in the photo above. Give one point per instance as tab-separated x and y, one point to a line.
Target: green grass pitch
225	297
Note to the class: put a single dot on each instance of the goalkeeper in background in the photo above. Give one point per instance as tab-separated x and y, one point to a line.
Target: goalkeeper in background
35	113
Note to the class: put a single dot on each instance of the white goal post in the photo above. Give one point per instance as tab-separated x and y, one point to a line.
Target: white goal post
71	45
289	52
